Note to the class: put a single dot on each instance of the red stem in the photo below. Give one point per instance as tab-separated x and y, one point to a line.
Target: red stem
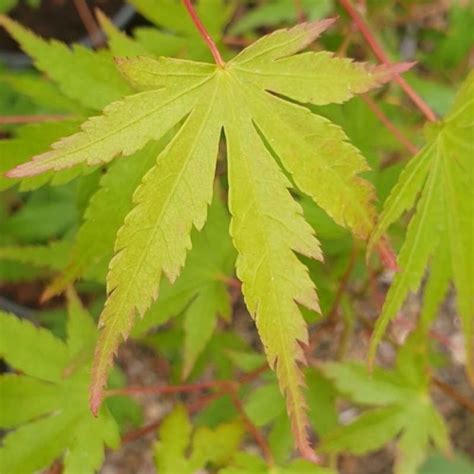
168	389
299	11
389	125
21	119
252	429
204	33
88	20
383	58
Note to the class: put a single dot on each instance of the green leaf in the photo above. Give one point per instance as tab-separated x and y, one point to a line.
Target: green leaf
42	92
245	463
441	228
276	12
377	388
65	66
437	464
53	256
177	34
30	140
46	215
46	356
171	15
209	264
404	409
173	195
94	242
264	404
6	5
49	404
416	437
268	226
321	396
174	436
119	42
368	432
34	396
215	446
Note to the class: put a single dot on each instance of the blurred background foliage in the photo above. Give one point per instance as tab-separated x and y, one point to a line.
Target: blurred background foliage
38	222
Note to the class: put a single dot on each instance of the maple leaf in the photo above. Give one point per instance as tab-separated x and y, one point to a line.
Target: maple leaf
53	255
30	140
247	98
46	407
208	446
244	463
66	66
403	409
442	227
176	32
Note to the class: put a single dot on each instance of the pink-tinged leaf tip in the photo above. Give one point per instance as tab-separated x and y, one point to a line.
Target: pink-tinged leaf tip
26	170
387	256
95	399
387	72
310	455
319	26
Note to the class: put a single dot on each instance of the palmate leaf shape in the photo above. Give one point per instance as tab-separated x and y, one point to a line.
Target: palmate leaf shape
243	98
403	409
443	225
180	450
46	406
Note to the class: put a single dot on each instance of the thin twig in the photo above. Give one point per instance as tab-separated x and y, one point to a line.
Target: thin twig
227	387
467	403
23	119
252	429
204	33
168	389
254	374
447	389
343	282
389	125
383	58
88	20
299	11
133	435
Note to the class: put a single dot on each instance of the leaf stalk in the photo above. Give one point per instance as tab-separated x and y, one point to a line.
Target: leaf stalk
204	33
383	58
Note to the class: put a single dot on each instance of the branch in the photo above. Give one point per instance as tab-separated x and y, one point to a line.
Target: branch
204	33
448	390
88	20
389	125
252	429
383	58
21	119
168	389
227	387
299	11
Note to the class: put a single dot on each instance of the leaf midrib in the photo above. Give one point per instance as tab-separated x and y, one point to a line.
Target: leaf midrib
291	389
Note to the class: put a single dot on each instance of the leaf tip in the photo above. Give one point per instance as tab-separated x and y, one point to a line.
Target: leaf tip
387	72
318	26
96	390
5	21
387	255
95	400
101	16
308	453
25	170
48	293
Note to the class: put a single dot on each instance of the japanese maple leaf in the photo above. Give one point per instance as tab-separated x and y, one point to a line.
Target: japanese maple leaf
256	101
439	183
45	407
